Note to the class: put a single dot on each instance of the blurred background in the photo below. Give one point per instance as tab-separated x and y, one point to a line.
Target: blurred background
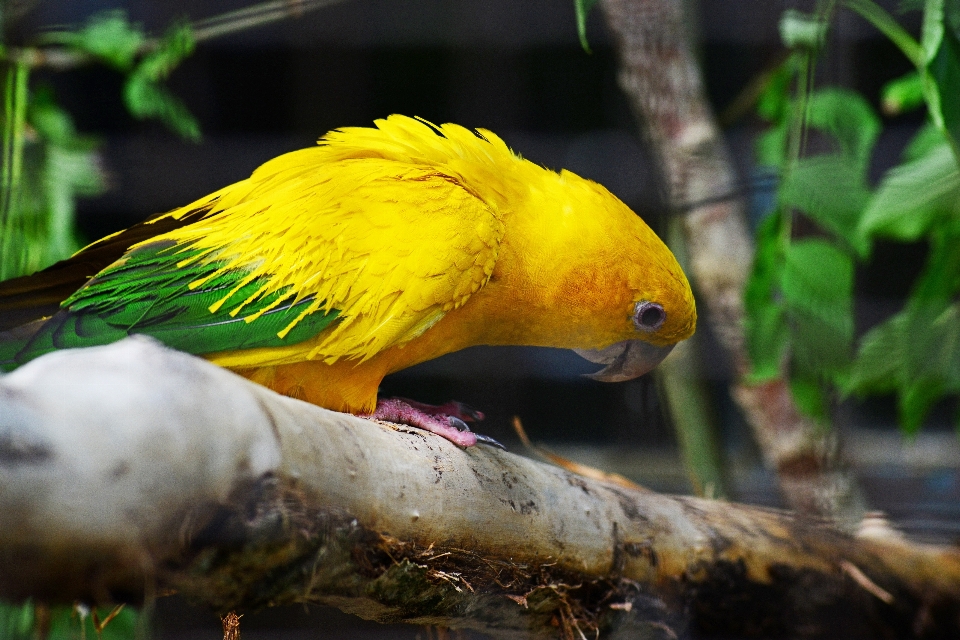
518	69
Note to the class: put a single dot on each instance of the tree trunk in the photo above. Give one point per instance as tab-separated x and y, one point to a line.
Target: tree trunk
660	76
130	470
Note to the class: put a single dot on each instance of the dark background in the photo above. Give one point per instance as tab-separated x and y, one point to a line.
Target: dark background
515	67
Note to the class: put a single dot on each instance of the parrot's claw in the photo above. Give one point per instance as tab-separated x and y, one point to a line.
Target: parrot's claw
435	419
487	440
463	426
457	423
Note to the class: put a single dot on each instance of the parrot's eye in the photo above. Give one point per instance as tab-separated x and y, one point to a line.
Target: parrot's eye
648	316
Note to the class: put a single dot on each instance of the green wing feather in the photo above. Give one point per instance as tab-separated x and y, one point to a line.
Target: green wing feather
149	293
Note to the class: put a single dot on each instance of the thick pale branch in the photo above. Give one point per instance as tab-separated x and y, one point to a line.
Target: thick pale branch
129	470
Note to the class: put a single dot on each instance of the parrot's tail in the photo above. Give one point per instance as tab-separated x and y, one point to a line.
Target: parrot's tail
26	302
13	341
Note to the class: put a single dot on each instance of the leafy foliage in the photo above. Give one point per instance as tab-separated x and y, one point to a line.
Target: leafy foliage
107	36
800	296
766	327
144	93
11	164
62	166
113	40
20	622
47	164
58	166
903	94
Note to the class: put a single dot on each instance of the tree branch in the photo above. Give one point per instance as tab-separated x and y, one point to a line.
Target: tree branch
129	470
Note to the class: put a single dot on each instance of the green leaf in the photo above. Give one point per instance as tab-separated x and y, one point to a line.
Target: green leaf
849	118
927	373
917	352
50	120
879	359
69	622
940	279
582	8
932	32
768	343
928	137
818	295
913	196
931	339
765	327
903	94
774	102
915	402
809	397
17	621
176	45
800	30
831	190
945	69
108	36
146	97
771	145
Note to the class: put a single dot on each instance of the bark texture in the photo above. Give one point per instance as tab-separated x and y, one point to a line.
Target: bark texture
660	75
130	470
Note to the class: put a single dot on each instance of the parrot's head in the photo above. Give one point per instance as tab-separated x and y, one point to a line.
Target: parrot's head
624	301
660	313
635	356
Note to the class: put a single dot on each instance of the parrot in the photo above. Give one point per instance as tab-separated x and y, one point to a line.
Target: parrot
379	248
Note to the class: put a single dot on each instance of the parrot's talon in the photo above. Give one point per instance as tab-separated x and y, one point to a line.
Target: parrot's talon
457	423
487	440
449	421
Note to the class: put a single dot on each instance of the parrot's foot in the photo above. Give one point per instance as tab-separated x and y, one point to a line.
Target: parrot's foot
447	421
453	409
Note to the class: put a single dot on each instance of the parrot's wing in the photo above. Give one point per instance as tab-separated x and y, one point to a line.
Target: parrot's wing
344	259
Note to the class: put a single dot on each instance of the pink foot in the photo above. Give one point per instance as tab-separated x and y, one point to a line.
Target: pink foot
453	409
447	421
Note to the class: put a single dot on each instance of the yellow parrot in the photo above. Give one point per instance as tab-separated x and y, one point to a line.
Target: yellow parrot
380	248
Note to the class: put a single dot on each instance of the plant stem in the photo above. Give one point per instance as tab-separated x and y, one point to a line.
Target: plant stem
682	386
14	117
63	58
254	16
879	18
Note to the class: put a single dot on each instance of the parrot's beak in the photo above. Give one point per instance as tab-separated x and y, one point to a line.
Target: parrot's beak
625	360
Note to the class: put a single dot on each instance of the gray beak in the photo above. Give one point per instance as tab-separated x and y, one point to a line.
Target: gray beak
625	360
